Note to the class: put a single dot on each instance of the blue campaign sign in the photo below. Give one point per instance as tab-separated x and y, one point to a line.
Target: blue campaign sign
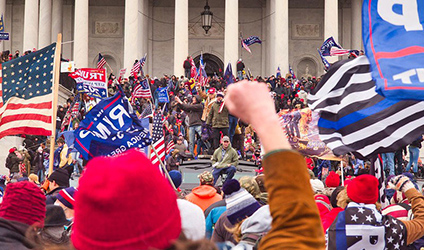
110	128
91	90
163	94
393	37
4	36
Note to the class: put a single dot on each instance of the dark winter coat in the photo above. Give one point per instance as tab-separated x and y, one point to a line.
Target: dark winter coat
12	163
194	112
216	119
51	196
12	235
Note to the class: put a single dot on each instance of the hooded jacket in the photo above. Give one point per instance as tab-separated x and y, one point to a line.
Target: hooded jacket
218	119
203	196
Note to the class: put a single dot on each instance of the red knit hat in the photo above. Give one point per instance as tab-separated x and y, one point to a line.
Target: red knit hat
24	202
124	202
363	189
12	150
333	179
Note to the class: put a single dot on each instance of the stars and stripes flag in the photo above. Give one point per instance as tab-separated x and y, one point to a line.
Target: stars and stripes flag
244	45
135	69
158	140
278	75
101	62
202	76
324	61
377	170
143	60
354	118
169	146
141	90
292	72
26	94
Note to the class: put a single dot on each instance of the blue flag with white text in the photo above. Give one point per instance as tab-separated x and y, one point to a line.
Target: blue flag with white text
110	128
325	48
252	40
393	35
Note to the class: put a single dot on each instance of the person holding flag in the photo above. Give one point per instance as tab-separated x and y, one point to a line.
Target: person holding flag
240	68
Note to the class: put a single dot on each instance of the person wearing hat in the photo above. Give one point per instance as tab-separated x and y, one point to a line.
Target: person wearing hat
54	231
66	200
12	161
58	180
137	209
23	207
210	99
205	194
359	201
218	120
240	67
224	160
194	112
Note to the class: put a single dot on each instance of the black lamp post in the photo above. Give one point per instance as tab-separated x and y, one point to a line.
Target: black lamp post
206	18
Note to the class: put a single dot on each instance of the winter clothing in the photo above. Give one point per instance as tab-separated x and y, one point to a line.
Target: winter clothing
12	235
295	221
363	189
329	217
192	220
230	157
12	162
317	185
332	180
203	196
51	196
212	218
60	176
220	233
218	119
323	204
23	202
193	111
137	209
67	197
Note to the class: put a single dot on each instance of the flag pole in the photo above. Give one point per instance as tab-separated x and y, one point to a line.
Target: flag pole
111	70
163	168
342	174
55	93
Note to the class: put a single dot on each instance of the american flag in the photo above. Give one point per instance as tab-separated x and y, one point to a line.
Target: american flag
72	112
278	72
244	45
158	140
141	90
143	60
101	62
292	72
339	52
135	69
26	94
169	146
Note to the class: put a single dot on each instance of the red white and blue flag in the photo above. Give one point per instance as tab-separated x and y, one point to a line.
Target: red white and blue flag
158	140
135	69
141	90
244	45
101	62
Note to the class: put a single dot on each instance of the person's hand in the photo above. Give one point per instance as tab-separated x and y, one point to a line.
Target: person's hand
177	99
401	183
249	101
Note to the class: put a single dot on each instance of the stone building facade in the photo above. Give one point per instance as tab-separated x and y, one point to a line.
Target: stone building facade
170	30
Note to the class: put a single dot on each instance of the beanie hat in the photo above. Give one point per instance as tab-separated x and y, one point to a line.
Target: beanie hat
317	185
363	189
211	91
60	176
12	150
220	94
135	209
323	204
332	180
24	202
240	204
67	197
176	178
251	186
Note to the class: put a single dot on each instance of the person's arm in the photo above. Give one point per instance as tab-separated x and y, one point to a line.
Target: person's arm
414	227
295	222
210	116
235	160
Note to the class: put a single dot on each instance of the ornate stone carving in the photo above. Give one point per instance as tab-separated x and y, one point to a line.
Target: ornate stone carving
306	31
108	28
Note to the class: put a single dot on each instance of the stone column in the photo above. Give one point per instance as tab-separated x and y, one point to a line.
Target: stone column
131	42
231	43
142	27
57	19
81	34
7	25
356	24
180	36
44	33
30	25
280	37
331	23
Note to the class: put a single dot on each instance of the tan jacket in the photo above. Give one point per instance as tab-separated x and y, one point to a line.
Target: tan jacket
295	218
63	159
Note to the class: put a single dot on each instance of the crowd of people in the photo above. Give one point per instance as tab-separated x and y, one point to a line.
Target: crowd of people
124	202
